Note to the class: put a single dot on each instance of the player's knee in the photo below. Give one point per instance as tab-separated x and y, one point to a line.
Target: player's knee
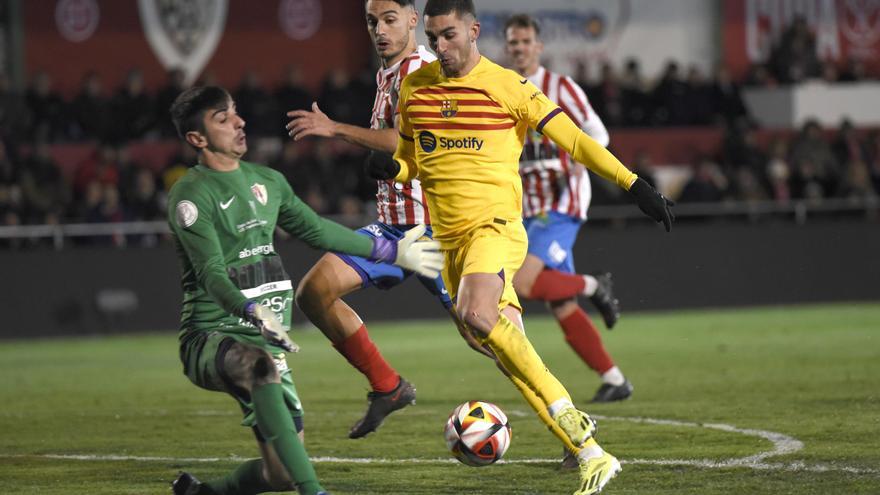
480	318
263	369
523	285
312	295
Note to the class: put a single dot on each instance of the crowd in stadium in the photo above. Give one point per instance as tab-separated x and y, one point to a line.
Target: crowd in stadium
109	186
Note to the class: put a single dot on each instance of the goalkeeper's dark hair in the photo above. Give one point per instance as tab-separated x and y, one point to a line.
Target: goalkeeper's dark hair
190	106
523	21
402	3
445	7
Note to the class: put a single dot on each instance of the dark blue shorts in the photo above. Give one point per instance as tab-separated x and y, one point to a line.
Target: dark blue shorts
551	238
386	275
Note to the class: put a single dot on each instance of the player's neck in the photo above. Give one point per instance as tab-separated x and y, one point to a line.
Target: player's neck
472	62
406	52
218	162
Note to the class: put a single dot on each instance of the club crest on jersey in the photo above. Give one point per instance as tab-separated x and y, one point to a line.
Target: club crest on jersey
260	193
448	108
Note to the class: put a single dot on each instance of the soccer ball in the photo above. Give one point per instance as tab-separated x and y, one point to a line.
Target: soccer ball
477	433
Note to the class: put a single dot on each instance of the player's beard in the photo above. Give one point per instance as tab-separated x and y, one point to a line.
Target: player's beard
395	48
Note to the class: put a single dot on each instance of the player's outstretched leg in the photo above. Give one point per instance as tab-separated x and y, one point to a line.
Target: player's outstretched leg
603	297
584	339
319	297
246	479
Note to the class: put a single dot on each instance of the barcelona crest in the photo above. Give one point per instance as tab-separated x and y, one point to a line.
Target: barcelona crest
448	108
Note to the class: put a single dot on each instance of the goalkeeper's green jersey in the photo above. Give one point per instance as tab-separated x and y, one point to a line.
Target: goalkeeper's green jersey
223	225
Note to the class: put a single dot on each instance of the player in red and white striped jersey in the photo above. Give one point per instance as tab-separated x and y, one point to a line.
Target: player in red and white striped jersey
556	195
400	206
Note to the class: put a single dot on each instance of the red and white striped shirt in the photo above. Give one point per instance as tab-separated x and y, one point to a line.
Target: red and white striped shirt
552	181
398	203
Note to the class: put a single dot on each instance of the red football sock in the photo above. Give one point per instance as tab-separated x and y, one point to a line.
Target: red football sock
363	354
583	337
553	285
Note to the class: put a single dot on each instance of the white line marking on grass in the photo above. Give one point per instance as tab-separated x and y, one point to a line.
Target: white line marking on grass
782	444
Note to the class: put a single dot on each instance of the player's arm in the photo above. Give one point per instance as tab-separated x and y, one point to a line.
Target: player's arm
314	122
202	246
191	220
402	165
584	149
301	221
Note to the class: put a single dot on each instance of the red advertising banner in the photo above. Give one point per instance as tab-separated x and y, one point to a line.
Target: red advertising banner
844	30
68	38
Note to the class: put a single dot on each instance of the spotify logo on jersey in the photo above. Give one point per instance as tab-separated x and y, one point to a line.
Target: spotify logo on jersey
427	141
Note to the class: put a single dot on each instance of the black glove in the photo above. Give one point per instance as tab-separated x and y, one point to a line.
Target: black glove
652	203
381	165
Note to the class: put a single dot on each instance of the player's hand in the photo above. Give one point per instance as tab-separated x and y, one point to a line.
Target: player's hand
381	165
652	203
264	318
410	252
304	123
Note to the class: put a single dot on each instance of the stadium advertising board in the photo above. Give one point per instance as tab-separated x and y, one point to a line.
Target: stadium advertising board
844	29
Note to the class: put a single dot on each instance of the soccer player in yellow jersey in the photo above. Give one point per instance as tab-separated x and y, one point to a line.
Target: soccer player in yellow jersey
462	125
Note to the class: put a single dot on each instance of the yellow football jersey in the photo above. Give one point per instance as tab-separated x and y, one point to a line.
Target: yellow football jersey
462	137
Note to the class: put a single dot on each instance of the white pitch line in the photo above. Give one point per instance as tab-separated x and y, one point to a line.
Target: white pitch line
782	445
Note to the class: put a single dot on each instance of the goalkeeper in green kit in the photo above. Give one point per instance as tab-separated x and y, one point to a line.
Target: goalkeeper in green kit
237	296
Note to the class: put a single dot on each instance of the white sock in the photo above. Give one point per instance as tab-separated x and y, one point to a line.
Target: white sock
554	408
613	376
590	285
590	452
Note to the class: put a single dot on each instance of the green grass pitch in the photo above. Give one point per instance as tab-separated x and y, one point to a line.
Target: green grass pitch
114	415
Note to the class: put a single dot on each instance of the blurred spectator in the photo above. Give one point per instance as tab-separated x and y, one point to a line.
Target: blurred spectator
48	110
133	109
174	85
816	171
92	111
829	72
178	165
295	162
708	184
727	102
760	75
699	99
847	147
11	197
46	193
336	99
794	58
855	71
607	97
872	150
291	95
747	186
779	172
740	150
100	167
670	98
635	97
256	106
144	203
856	184
15	115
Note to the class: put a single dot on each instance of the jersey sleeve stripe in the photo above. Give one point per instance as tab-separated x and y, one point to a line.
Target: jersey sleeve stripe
437	103
467	127
405	137
546	119
479	115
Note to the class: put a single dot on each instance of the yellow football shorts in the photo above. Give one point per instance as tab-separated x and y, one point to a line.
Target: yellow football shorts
498	247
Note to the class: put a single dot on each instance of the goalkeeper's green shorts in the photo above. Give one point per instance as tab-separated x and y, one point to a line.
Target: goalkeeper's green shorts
202	354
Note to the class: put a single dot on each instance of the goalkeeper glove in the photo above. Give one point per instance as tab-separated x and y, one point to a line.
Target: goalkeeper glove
652	203
265	320
381	165
409	253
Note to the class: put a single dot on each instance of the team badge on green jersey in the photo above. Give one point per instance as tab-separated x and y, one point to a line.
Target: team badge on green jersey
187	213
260	193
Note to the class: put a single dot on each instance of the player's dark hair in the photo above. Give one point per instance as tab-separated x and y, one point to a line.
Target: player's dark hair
190	106
523	21
402	3
445	7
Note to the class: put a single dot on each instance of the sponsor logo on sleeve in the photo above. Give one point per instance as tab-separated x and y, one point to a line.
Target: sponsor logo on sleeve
187	213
